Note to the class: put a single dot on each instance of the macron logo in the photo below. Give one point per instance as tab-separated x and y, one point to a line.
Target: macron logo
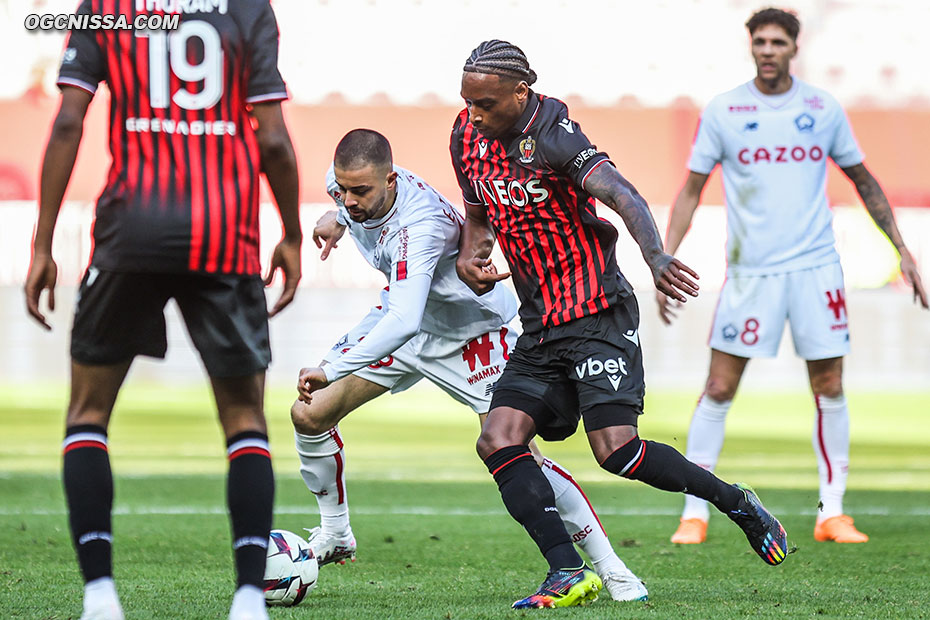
567	125
483	148
632	336
615	369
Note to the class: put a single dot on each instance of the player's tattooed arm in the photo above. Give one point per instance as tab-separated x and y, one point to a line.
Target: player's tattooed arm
474	265
670	275
876	203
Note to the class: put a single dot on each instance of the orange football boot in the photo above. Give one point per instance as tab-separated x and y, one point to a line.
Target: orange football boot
690	532
838	529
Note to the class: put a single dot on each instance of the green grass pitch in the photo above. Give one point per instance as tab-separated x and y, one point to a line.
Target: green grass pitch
434	539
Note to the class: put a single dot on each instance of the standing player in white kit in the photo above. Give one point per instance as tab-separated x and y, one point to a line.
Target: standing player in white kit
429	324
772	136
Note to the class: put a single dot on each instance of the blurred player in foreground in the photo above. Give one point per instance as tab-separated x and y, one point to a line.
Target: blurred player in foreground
772	137
178	218
529	176
429	325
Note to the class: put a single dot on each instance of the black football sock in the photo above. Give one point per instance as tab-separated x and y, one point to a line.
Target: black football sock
529	500
250	496
88	486
665	468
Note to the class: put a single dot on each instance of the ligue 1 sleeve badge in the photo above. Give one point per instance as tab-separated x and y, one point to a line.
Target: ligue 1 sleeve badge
527	150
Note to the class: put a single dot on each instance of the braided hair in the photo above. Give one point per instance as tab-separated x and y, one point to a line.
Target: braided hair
500	58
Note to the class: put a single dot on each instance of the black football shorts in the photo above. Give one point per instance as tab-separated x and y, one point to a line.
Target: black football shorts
120	315
590	368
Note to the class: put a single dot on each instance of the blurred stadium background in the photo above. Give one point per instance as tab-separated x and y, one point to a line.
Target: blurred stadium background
635	75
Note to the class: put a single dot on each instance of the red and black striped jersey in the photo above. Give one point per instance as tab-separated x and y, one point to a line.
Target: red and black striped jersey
182	191
531	181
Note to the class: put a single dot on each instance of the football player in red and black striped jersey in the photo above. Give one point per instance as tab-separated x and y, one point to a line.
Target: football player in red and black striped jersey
529	179
195	115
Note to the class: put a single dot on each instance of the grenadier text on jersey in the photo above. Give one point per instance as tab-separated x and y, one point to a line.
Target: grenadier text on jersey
182	192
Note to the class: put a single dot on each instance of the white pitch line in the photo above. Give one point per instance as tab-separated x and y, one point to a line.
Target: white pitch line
879	511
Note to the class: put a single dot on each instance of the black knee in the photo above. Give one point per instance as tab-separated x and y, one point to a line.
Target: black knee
625	460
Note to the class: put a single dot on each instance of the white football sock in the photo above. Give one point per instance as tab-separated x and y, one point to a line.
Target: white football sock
831	445
580	520
101	601
705	440
248	604
322	466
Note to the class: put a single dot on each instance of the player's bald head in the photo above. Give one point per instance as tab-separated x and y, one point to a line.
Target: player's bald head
500	58
363	147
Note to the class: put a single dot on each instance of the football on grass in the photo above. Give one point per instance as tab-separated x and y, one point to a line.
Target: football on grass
290	569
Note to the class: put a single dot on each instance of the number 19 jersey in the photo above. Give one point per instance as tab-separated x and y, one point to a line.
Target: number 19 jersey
773	150
182	191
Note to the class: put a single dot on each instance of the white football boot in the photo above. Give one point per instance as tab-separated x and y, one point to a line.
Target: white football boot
623	585
248	604
101	601
329	548
104	610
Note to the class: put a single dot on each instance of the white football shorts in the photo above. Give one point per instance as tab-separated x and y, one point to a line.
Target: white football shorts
465	370
752	311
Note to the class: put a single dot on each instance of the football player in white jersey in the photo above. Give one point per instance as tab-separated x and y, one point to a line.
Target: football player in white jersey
429	324
772	137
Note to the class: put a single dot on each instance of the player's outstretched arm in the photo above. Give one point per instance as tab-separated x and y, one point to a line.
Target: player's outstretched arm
279	164
876	203
474	266
679	221
392	329
57	164
669	274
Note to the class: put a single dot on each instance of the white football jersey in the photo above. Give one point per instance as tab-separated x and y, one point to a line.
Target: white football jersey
420	234
773	150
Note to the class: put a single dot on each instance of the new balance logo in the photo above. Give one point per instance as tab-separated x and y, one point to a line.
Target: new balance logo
567	125
615	369
482	148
